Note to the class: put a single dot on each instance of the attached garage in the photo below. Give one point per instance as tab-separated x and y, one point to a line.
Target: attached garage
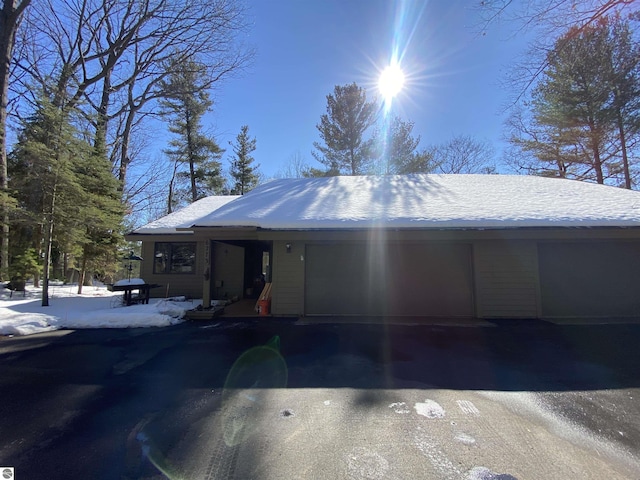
589	279
486	246
425	279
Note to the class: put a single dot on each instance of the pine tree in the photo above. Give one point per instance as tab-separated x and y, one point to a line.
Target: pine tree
344	148
68	199
623	55
243	171
102	214
186	101
399	155
50	197
575	93
584	112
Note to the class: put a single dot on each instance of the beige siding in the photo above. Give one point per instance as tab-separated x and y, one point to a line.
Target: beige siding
506	277
189	285
509	267
287	297
227	275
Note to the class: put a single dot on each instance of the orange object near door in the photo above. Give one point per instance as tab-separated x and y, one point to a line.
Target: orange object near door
263	307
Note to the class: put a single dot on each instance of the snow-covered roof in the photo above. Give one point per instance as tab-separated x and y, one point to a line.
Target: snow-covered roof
186	216
428	201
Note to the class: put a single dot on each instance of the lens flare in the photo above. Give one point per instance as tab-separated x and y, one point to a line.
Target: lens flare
253	373
391	81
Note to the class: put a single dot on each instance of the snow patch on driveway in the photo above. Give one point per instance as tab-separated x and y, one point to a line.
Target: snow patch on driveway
482	473
365	463
533	405
400	407
465	438
429	409
445	468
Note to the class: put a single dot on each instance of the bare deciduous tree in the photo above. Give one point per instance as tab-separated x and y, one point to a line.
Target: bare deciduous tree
294	167
113	55
464	154
558	15
546	21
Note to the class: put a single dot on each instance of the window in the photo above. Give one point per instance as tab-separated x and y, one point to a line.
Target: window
174	258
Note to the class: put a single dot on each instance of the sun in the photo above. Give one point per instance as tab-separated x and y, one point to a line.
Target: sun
391	81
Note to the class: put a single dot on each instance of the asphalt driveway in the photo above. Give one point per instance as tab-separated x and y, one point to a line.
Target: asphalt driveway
217	400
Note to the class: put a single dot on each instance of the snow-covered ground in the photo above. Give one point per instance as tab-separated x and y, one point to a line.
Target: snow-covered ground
97	307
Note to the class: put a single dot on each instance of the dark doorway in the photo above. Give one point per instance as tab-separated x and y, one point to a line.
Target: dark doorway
257	260
245	264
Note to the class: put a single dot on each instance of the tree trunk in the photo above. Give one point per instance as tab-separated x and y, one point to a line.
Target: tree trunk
192	173
597	164
124	151
7	37
48	233
352	158
171	183
37	245
100	140
595	148
48	241
83	270
9	18
65	264
126	135
623	146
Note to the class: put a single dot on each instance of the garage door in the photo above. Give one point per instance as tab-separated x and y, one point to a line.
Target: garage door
600	279
402	280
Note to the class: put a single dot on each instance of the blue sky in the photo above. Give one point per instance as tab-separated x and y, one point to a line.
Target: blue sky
304	48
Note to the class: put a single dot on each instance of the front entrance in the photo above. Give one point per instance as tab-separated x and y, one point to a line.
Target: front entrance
239	269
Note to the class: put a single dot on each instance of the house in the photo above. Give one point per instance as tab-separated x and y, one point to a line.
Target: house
485	246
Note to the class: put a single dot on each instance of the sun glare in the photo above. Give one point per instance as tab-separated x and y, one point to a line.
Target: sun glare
391	81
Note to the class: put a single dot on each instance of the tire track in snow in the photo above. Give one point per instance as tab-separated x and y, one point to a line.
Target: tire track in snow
428	446
468	408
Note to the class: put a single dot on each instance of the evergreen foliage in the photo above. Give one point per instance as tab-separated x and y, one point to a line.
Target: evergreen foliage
344	149
185	101
25	264
399	152
584	114
68	202
243	171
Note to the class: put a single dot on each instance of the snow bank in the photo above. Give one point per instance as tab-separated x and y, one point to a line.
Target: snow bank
95	308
